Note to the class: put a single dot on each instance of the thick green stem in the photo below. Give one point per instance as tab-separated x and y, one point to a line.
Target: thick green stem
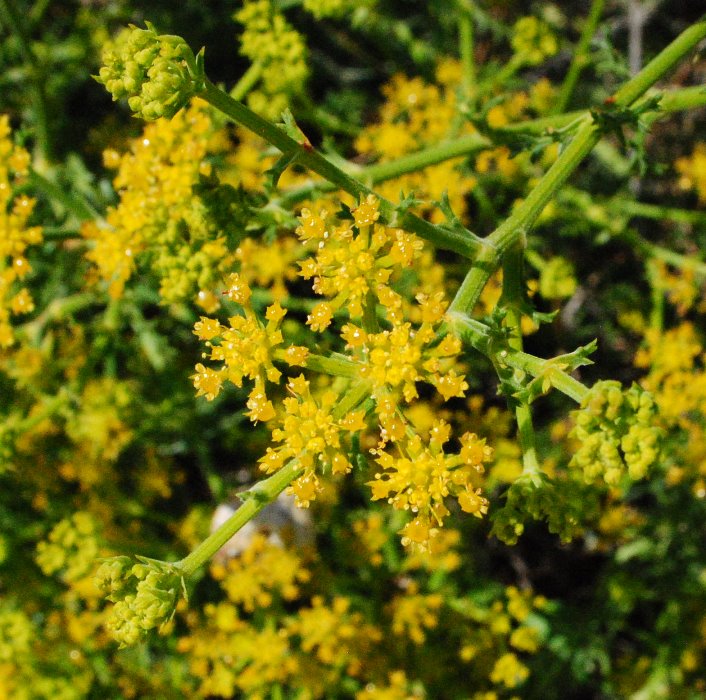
464	243
581	56
263	492
469	144
518	224
13	19
259	496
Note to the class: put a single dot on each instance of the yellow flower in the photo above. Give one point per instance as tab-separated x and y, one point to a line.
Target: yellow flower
16	236
423	476
160	220
310	434
247	347
353	265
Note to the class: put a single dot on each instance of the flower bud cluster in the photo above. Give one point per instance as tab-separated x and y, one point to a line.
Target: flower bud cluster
145	595
617	433
16	634
158	74
563	505
557	279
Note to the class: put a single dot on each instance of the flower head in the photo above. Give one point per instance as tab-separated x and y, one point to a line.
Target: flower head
158	74
311	433
145	595
421	478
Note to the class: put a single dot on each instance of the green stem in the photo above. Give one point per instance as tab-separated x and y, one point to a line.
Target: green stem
657	294
263	493
465	40
78	206
247	81
476	334
516	227
512	297
57	309
13	19
500	77
537	367
581	56
682	262
656	211
335	365
259	496
469	144
464	243
50	407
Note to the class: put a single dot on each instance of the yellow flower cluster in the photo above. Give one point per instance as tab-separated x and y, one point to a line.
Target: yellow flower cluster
310	434
263	569
246	347
533	40
394	360
333	8
160	219
336	636
692	171
496	635
312	649
15	235
421	478
397	689
413	613
677	379
98	430
675	359
269	265
16	634
269	40
354	262
71	548
416	114
228	655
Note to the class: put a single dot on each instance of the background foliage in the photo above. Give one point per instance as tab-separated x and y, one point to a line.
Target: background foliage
107	450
